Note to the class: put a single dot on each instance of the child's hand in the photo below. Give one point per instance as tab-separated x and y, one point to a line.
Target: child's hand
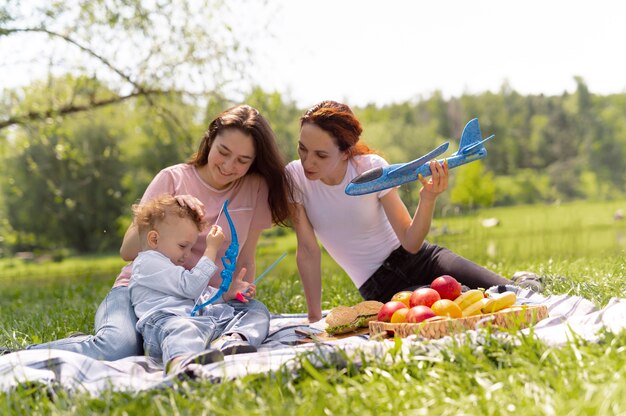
214	240
239	286
215	237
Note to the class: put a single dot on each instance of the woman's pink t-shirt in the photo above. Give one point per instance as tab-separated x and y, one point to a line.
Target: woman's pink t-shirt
247	205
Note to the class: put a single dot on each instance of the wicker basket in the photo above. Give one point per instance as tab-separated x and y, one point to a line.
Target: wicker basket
516	317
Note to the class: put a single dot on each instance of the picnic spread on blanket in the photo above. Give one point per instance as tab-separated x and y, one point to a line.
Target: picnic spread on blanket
290	339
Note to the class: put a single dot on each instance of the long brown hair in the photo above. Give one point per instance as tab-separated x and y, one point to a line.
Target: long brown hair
268	161
339	121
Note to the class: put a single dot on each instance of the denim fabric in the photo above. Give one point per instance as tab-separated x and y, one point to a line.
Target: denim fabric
167	336
252	320
405	271
115	336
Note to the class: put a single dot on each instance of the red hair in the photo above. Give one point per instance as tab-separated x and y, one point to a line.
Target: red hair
339	121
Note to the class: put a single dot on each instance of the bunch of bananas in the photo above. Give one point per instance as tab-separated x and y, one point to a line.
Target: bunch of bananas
473	302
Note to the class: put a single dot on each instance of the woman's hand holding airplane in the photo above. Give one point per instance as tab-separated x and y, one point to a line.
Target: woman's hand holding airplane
438	181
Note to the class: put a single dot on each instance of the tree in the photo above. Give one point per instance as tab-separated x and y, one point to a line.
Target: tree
139	48
64	187
473	187
283	117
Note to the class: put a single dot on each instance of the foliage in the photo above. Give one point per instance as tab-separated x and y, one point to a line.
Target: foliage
525	187
139	48
283	116
474	187
63	186
546	149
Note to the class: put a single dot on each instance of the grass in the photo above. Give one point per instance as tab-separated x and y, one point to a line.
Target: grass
578	247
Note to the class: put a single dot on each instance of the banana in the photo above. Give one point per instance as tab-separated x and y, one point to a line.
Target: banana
499	302
468	298
475	308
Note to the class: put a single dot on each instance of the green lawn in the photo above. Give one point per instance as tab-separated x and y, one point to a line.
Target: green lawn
578	247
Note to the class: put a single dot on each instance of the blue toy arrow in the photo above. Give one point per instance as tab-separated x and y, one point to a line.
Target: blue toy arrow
229	260
471	148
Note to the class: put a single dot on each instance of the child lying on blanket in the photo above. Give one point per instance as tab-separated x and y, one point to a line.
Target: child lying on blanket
163	292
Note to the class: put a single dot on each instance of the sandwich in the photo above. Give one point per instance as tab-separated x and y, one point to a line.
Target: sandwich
344	319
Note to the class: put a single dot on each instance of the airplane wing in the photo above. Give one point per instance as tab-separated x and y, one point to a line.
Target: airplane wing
412	166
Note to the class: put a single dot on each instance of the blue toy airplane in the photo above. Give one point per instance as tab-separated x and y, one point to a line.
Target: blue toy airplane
470	149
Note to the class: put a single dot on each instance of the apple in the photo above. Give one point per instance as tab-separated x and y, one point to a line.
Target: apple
447	287
403	297
387	310
424	296
419	313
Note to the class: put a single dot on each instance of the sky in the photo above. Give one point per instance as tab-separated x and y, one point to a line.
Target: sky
365	51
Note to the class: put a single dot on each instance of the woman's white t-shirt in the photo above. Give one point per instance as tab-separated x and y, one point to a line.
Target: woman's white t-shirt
353	229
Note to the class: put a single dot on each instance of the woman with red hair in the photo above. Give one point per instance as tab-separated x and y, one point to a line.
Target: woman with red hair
372	237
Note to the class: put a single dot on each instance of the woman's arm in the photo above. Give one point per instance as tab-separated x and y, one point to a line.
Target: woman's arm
309	258
130	245
412	231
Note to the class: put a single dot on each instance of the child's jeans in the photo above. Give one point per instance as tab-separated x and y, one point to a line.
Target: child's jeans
168	336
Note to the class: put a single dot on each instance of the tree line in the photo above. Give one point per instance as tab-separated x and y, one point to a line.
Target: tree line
129	86
68	181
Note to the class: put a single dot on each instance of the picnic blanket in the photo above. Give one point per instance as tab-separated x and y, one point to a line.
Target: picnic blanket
283	350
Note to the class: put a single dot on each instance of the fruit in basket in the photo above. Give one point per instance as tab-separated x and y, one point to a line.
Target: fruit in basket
386	311
447	287
498	302
424	296
447	307
403	297
475	308
419	313
469	297
399	316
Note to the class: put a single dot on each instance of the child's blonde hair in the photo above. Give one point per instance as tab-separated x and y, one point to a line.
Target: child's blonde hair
153	212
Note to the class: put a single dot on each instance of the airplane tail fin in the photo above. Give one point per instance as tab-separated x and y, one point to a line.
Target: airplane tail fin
471	139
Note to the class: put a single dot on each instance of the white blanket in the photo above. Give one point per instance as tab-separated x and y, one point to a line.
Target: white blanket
282	351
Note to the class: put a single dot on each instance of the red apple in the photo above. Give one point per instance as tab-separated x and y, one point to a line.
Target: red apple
386	311
424	296
418	313
447	287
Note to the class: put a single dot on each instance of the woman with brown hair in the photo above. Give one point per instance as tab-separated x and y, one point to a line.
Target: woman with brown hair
237	160
372	237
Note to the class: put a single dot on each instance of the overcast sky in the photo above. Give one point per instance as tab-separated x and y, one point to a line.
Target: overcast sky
363	51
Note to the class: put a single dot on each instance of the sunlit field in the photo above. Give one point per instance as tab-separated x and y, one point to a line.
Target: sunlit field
578	248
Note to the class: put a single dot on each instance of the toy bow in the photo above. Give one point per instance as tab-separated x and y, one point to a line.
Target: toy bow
229	260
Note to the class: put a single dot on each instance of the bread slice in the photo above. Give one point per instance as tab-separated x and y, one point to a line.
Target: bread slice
343	319
341	315
368	308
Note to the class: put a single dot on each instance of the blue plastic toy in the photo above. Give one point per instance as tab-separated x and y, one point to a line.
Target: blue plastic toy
470	149
229	260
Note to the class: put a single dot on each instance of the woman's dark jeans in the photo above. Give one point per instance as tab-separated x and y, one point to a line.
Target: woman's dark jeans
405	271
